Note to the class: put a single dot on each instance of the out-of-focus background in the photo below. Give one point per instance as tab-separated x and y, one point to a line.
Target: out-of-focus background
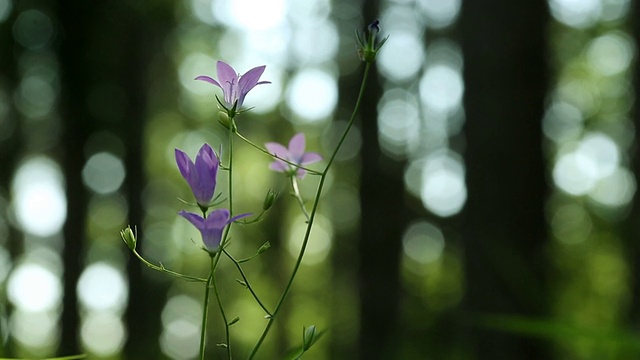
484	206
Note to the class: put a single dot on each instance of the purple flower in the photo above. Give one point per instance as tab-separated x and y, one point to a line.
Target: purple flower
211	228
201	175
235	86
295	154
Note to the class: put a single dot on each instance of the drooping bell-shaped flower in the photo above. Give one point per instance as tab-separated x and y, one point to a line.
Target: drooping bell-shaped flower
212	227
201	174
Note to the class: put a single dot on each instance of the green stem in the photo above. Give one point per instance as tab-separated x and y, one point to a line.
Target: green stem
313	213
161	268
298	196
224	316
246	281
205	311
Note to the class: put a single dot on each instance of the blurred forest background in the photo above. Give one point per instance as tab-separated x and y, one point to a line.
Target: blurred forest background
483	208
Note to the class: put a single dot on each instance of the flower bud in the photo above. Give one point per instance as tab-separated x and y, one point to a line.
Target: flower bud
235	320
129	237
223	118
309	337
269	199
368	44
264	247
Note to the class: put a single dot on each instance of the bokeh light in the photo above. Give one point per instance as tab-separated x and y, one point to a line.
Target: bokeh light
312	95
443	190
423	242
102	333
102	287
181	318
39	201
34	288
33	29
103	173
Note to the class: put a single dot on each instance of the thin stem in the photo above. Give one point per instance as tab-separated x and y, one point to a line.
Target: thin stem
246	281
298	196
224	316
161	268
205	311
313	213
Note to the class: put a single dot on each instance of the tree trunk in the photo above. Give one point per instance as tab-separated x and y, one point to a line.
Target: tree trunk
504	231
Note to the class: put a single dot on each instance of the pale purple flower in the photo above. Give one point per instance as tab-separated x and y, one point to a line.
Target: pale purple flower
211	228
201	175
295	154
235	86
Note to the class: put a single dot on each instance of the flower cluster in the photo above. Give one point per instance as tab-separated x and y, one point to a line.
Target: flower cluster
201	176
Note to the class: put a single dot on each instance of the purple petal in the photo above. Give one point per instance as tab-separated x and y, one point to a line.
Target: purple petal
187	168
310	157
194	219
248	81
280	151
209	79
206	166
214	224
300	173
277	149
228	79
238	217
296	147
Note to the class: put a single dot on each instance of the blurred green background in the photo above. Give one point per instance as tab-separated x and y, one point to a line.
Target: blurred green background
482	208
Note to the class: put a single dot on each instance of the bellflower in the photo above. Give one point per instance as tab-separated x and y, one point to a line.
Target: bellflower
201	175
295	154
235	87
368	43
211	228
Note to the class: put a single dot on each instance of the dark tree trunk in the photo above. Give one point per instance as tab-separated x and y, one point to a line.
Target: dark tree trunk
633	226
382	223
107	45
504	231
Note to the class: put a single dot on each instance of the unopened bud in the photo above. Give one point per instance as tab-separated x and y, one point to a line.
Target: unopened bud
264	247
269	199
309	337
129	237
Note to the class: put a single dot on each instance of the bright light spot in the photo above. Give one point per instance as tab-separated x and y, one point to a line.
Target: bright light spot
39	199
398	125
614	9
5	9
571	224
313	46
181	318
103	173
102	287
102	334
562	122
35	97
33	29
440	13
34	288
443	189
413	176
312	95
423	242
402	58
319	242
574	174
36	330
576	13
196	64
304	12
610	54
601	152
256	15
441	88
616	189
